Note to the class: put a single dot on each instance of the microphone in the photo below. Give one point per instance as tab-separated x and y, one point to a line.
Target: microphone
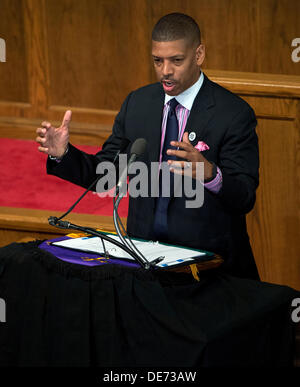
137	149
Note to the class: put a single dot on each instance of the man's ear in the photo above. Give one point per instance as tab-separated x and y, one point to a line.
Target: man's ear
200	54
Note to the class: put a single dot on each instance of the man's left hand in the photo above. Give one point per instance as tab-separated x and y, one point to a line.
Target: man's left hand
190	157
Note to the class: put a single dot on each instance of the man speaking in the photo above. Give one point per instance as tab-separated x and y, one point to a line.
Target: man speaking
185	118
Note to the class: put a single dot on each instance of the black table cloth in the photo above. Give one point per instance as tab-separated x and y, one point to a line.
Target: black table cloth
63	314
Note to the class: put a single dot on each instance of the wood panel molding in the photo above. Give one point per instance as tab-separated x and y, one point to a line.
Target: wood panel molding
274	85
18	223
81	133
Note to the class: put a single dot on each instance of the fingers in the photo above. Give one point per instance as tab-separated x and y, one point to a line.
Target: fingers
178	153
181	167
41	140
46	125
183	145
67	119
43	149
176	165
187	151
185	138
180	164
41	132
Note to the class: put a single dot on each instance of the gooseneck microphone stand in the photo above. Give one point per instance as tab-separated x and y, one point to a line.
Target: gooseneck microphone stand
54	221
128	242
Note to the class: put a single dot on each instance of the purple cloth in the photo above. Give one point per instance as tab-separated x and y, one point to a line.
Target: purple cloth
81	257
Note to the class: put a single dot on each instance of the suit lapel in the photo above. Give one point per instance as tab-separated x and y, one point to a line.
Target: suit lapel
154	124
201	111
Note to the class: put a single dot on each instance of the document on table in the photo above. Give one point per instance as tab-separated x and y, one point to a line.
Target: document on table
173	255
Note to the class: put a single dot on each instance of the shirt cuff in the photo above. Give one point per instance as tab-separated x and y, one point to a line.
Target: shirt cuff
216	184
58	159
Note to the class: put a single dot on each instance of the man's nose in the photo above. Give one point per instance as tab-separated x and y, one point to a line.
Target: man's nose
167	69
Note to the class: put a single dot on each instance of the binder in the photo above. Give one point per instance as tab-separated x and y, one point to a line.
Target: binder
174	255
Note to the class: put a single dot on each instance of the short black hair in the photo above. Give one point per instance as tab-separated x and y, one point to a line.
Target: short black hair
175	26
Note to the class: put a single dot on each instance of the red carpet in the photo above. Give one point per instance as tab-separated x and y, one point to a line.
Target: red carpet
24	183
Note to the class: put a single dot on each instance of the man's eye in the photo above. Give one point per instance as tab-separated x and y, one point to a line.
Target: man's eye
177	60
157	60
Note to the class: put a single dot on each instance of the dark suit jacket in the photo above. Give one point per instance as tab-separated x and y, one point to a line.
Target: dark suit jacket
227	124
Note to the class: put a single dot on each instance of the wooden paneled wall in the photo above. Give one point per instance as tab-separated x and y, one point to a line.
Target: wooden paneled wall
274	224
87	55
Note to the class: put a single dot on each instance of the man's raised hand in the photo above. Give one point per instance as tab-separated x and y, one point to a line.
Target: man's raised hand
54	141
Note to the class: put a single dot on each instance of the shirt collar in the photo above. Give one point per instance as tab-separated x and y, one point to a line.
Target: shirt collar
187	97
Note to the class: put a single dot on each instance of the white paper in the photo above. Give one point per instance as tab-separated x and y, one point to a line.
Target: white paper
151	250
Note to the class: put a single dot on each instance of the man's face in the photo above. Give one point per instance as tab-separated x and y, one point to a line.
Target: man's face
177	64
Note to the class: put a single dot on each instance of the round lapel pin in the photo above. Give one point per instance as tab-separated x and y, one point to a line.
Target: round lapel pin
192	136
